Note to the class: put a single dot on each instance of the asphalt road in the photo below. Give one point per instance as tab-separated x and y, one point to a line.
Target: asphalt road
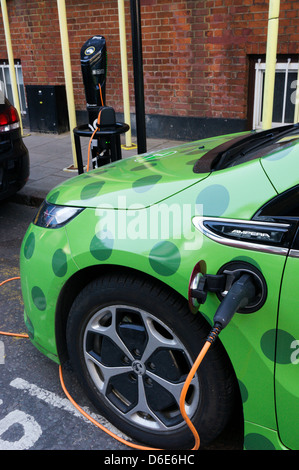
34	411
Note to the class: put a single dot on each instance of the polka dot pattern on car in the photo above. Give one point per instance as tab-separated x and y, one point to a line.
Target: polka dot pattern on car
53	197
279	154
243	391
213	200
59	263
29	246
142	185
165	258
256	441
285	339
39	298
91	190
144	167
101	245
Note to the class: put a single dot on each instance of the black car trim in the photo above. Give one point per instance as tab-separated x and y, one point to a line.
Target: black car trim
199	223
225	154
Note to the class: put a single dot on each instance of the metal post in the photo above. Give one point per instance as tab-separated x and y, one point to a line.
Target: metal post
124	71
138	75
12	71
67	73
272	37
296	93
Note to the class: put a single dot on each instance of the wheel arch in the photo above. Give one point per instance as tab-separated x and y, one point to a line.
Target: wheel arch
77	282
82	277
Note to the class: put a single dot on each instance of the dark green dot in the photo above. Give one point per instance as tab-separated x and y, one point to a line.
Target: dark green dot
53	197
284	350
29	246
279	154
247	259
91	190
213	200
255	441
145	184
38	298
143	167
29	327
243	391
101	245
59	263
165	258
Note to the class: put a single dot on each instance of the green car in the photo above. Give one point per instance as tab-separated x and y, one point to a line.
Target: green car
124	267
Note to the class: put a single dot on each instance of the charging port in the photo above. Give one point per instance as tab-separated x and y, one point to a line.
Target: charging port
221	283
233	271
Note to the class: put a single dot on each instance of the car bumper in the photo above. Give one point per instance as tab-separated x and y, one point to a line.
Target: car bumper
49	249
14	164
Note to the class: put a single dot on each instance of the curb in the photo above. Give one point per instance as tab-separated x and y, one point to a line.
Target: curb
27	200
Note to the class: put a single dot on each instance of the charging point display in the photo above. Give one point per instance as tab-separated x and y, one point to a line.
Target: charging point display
102	129
94	72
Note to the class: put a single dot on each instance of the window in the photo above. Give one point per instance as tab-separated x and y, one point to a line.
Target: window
284	206
6	81
284	92
247	147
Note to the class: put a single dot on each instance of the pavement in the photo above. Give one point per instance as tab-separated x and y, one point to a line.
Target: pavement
52	161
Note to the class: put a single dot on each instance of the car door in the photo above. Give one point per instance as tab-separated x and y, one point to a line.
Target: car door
287	352
285	209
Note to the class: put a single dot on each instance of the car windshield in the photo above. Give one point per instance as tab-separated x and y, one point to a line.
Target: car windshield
245	148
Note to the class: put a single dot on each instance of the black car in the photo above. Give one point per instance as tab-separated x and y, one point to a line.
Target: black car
14	157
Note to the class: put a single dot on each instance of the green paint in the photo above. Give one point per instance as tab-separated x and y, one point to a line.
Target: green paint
39	298
257	344
59	263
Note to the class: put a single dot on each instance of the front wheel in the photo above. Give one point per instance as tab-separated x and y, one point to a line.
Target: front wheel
132	344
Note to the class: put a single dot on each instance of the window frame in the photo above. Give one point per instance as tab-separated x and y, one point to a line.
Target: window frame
4	71
282	65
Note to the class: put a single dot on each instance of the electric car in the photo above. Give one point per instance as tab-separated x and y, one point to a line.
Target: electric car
124	267
14	157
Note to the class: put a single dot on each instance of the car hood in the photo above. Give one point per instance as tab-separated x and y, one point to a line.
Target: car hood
144	179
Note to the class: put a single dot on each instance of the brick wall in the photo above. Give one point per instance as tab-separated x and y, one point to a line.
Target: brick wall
195	52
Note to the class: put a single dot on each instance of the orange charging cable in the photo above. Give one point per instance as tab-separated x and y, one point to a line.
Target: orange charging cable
5	332
187	382
91	139
95	131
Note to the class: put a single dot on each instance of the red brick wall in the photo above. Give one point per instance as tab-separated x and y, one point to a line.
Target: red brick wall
195	52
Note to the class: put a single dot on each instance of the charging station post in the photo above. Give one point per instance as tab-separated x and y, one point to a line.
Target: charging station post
102	128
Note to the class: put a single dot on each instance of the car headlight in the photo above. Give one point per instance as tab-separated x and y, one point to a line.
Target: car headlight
54	216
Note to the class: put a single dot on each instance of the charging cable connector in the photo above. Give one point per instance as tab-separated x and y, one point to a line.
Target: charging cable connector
240	294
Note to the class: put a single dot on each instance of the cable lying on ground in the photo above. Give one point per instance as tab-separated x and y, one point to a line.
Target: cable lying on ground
5	333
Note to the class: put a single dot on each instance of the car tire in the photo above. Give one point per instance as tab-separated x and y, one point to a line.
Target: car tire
131	343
